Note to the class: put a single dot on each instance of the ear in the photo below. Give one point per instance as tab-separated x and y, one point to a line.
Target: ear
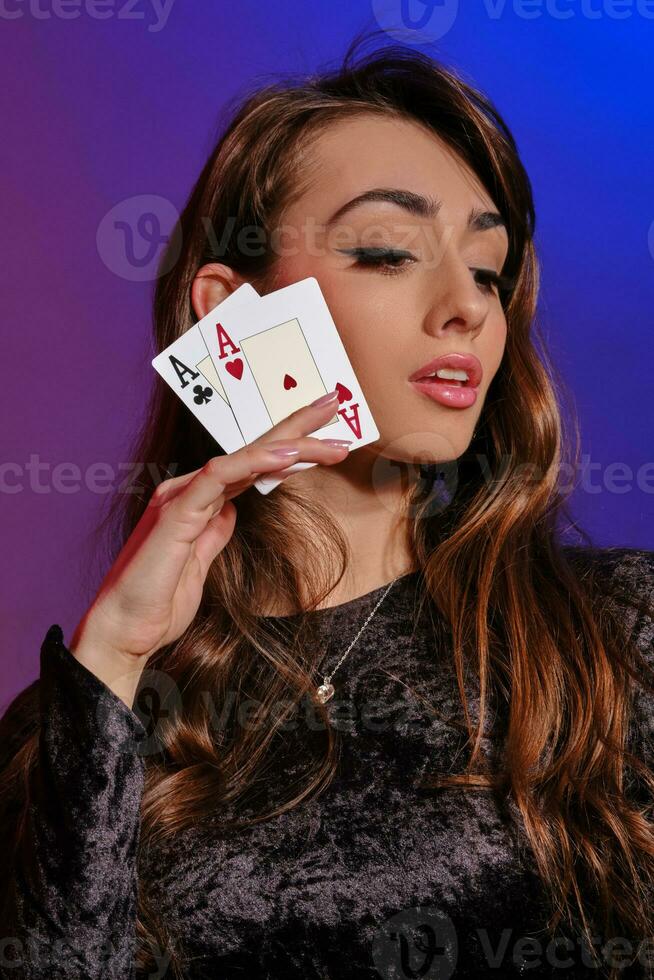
213	283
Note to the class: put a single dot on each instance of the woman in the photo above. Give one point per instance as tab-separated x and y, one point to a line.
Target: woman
472	796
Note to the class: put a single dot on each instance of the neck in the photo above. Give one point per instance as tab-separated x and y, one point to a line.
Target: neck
366	496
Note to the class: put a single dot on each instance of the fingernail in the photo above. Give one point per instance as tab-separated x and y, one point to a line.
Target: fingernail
285	451
324	399
338	443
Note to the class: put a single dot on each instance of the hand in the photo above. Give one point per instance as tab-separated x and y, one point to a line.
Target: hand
152	591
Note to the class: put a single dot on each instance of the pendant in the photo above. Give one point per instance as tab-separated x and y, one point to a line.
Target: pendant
325	691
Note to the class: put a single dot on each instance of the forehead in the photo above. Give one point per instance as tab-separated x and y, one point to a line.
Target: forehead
370	150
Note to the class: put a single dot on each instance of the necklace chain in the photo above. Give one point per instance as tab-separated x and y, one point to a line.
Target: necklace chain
326	689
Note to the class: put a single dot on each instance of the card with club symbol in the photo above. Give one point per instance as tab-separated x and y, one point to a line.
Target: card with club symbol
290	353
187	367
280	353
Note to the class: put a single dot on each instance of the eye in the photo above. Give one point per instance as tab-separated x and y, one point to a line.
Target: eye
389	261
491	280
393	261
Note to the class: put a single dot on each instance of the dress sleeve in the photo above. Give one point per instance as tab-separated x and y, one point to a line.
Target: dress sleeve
71	822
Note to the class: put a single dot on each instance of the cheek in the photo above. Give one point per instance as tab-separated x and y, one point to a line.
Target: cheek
494	346
371	317
368	332
374	351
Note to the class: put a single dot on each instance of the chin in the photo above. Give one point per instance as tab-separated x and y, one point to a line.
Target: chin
438	445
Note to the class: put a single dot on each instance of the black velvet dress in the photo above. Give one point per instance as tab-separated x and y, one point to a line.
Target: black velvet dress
375	877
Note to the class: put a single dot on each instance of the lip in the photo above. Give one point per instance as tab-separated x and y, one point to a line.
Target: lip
450	395
460	362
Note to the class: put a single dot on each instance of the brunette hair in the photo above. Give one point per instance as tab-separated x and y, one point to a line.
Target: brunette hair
541	635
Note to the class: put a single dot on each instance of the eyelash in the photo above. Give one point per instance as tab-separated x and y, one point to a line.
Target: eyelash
380	258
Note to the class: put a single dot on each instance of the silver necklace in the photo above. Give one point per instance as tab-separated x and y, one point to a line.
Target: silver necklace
326	689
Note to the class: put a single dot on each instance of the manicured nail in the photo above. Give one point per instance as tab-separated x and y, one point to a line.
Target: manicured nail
337	443
285	451
325	399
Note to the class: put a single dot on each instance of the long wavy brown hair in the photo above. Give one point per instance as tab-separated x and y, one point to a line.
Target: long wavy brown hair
549	639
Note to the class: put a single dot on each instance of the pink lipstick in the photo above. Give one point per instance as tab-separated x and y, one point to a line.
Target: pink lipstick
456	389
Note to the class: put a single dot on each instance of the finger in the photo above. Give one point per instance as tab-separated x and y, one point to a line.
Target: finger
170	487
303	420
212	540
208	486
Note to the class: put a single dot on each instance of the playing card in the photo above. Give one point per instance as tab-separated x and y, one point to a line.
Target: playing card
187	367
281	353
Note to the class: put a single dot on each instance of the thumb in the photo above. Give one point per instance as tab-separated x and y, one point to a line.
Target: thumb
211	541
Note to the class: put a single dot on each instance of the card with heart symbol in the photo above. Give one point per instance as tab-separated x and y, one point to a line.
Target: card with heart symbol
186	366
281	352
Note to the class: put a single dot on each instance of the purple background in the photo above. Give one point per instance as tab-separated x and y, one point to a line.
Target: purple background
98	111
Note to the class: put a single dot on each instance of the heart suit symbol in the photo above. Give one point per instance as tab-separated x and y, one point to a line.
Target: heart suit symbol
344	394
235	368
289	382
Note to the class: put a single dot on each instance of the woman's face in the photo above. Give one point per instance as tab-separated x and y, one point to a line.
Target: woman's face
429	301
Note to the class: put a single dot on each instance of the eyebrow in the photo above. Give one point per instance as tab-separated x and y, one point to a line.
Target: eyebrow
417	204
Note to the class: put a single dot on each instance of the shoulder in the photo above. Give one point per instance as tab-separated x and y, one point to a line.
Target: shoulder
625	563
624	578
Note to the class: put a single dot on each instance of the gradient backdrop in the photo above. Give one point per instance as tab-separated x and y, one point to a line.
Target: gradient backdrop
109	112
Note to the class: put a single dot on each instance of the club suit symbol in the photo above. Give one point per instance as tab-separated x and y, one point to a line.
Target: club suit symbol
202	394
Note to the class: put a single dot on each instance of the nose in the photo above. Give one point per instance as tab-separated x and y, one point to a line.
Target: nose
459	304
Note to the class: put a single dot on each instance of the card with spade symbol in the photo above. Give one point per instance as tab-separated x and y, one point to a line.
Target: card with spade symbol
281	352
